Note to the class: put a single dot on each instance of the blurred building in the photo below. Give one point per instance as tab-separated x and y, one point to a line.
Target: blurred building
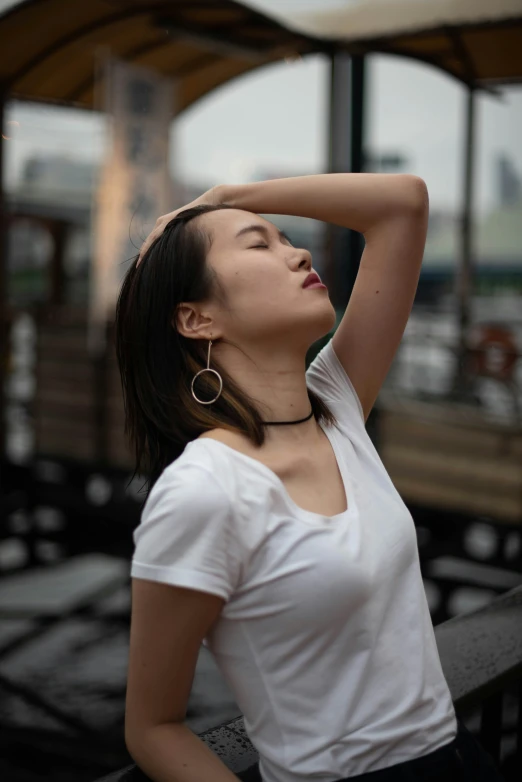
509	183
58	174
50	213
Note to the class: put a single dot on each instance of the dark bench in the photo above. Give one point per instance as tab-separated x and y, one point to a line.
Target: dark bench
452	458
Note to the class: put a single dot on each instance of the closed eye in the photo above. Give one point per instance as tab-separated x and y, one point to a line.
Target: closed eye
263	246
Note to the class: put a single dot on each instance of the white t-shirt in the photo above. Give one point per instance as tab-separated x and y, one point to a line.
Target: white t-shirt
325	639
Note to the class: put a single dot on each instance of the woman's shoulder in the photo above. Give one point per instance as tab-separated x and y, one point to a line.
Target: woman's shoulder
201	459
236	443
196	479
234	440
268	455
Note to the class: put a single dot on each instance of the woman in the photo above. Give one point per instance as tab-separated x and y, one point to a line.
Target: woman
272	532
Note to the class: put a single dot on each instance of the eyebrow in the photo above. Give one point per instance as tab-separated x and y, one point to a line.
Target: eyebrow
264	230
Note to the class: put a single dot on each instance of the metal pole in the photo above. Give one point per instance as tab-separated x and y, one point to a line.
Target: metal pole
345	154
464	280
338	161
4	332
356	240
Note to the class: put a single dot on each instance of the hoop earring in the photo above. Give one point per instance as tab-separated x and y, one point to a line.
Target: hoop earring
200	373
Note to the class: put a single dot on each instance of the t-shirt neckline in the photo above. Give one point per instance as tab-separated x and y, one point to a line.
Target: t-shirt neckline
301	512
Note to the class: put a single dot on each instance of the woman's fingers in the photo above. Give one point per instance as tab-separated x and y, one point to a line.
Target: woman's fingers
210	197
158	229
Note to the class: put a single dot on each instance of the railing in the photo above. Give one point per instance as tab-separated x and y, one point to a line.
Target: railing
481	656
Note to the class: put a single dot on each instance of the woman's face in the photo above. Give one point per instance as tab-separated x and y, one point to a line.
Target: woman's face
262	275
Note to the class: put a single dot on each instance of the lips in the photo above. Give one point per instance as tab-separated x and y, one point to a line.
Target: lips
311	279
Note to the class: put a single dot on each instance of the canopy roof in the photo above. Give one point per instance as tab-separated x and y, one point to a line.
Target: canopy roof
478	41
49	46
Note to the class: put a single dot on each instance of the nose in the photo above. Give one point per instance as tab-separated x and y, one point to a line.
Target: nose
303	259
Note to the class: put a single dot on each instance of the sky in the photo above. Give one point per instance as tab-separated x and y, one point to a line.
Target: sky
273	122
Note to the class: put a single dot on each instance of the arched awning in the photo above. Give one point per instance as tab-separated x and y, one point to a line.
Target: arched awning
477	41
49	47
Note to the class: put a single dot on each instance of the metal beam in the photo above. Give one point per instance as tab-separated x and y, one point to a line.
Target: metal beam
208	37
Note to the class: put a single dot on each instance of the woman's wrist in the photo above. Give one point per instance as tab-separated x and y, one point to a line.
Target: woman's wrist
229	194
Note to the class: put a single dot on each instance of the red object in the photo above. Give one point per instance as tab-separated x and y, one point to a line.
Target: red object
494	352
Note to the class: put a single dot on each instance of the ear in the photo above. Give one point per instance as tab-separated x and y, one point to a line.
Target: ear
190	322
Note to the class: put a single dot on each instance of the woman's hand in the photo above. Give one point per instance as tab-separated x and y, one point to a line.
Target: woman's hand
210	197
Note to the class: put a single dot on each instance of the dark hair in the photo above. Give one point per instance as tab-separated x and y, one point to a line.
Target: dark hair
157	363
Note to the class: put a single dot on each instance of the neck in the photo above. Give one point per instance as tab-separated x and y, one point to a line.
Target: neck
277	383
304	434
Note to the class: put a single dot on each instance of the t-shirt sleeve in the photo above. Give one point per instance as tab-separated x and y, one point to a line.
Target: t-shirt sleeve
186	534
327	377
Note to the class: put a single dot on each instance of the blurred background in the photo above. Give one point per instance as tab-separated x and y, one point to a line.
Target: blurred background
115	112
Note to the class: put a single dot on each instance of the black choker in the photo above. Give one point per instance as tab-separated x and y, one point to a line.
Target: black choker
280	423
